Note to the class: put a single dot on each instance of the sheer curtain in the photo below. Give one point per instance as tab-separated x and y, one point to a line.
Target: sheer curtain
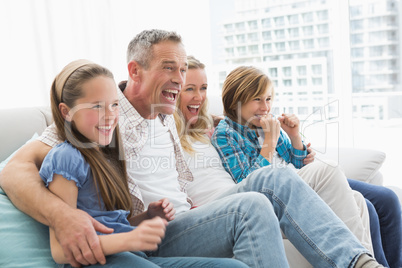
39	37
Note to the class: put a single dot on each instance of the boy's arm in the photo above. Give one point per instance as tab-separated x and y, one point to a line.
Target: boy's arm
21	181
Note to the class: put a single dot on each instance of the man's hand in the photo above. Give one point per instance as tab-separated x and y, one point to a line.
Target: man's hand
162	208
310	155
75	231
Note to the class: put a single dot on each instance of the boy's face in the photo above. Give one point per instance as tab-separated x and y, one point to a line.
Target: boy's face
252	111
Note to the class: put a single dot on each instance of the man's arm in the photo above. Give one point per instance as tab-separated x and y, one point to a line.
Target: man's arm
74	228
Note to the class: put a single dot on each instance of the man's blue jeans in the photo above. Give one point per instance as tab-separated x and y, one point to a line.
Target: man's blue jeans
140	259
245	221
385	222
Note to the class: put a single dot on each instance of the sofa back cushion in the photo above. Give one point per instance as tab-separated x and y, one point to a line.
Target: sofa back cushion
18	125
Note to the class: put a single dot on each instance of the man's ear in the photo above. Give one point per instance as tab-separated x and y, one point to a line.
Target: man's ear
134	70
65	112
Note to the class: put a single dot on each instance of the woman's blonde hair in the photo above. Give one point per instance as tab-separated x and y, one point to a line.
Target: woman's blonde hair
107	163
241	86
189	133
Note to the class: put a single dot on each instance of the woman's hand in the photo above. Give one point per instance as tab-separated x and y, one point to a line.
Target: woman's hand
162	208
310	155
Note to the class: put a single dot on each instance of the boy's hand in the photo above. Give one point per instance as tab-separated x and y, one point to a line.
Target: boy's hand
162	208
272	130
290	124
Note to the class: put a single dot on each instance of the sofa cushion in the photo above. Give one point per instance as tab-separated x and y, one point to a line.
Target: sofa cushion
24	122
358	164
24	241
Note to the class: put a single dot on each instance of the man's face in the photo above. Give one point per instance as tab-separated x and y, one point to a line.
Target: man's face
162	81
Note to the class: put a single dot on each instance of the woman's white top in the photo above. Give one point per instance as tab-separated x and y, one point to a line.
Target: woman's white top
210	177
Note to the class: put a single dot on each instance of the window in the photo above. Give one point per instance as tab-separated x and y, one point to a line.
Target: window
322	29
317	81
266	23
293	32
273	72
356	39
316	69
302	70
253	37
302	82
229	40
308	17
229	52
241	51
253	49
309	43
287	82
240	26
253	25
228	27
308	30
302	110
266	35
279	21
280	34
323	42
294	45
293	19
322	15
267	48
280	46
356	25
240	38
287	71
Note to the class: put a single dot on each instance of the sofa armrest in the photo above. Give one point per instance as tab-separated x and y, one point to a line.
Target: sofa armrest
357	164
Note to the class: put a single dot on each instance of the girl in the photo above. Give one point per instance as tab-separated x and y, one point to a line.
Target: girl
88	170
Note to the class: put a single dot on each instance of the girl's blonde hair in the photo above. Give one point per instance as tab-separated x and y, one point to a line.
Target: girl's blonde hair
107	163
242	85
196	132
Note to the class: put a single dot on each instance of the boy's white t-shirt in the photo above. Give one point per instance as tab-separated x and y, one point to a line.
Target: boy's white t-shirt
154	170
277	160
210	177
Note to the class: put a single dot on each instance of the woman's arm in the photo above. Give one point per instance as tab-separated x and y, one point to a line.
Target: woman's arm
146	236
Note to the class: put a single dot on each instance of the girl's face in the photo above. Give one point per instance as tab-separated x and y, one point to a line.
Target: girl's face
96	113
192	97
252	111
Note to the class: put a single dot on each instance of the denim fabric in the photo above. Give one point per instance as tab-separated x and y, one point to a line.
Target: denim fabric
242	225
388	209
376	234
245	220
139	259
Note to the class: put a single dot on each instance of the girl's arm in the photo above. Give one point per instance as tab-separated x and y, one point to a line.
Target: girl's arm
146	236
235	160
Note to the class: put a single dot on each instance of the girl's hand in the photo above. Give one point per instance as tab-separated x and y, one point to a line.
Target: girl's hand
290	124
162	208
272	129
310	155
148	235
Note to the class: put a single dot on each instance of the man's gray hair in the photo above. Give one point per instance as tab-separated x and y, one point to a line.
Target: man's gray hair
140	48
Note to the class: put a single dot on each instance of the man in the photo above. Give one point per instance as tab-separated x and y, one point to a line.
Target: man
243	223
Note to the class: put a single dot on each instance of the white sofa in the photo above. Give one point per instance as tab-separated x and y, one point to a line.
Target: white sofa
18	126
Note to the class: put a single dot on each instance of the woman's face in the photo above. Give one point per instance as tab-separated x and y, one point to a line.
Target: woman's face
193	96
252	111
